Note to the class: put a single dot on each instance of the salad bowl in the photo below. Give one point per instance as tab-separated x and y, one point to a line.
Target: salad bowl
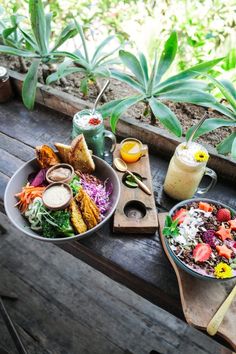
103	171
201	269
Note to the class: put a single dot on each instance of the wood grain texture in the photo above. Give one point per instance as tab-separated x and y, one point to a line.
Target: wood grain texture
148	224
201	298
66	307
137	261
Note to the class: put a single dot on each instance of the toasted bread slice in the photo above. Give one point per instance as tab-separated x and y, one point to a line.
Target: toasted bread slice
80	157
64	151
46	157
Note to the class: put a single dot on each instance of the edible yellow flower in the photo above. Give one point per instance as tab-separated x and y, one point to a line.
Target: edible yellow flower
201	156
223	270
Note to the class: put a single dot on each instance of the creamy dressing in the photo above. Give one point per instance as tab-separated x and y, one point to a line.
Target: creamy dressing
56	196
59	174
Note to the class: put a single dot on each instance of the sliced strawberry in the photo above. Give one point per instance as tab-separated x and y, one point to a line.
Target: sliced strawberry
180	215
202	252
223	215
205	206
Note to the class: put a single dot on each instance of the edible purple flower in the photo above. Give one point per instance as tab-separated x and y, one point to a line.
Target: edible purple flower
209	237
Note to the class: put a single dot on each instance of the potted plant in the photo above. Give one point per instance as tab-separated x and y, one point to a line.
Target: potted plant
152	90
228	145
91	66
35	45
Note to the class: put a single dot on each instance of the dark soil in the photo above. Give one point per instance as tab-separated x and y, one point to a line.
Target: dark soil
188	114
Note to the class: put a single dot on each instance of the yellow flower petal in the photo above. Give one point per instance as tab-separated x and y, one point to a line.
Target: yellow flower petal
201	156
223	270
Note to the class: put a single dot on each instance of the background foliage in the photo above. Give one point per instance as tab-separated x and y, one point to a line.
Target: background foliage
206	28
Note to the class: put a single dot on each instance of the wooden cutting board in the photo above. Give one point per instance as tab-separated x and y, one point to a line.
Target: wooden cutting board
136	211
201	298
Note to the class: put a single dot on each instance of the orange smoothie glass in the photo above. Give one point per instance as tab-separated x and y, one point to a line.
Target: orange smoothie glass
131	150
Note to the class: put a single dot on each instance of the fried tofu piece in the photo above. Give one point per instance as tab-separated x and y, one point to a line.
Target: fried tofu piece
89	210
46	157
76	218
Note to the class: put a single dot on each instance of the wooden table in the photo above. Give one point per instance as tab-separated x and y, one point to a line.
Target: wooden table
137	261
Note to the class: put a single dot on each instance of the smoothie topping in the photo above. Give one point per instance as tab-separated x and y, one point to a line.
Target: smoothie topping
202	242
201	156
94	121
193	154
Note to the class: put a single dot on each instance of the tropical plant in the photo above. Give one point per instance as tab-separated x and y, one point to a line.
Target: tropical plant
10	34
228	145
92	67
152	91
37	47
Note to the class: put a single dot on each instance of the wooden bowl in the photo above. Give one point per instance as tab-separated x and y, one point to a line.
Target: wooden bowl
55	167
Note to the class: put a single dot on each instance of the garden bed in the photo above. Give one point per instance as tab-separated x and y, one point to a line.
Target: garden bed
134	124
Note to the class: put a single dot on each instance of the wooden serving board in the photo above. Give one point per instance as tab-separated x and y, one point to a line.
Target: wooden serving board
201	298
134	223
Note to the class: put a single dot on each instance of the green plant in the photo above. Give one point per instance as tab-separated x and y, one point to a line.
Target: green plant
37	47
228	145
171	227
92	67
153	91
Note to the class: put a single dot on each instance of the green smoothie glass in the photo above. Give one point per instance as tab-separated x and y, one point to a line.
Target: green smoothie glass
92	126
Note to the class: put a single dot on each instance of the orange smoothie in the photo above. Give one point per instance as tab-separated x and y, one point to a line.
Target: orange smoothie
131	150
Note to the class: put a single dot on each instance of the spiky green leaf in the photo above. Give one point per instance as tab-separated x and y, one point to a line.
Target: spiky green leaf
132	63
192	72
18	52
98	52
225	147
108	107
209	125
127	79
68	32
165	116
38	24
144	64
167	56
121	108
30	85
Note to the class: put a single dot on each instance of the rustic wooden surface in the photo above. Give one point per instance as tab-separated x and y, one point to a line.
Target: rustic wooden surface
136	261
201	298
66	307
148	224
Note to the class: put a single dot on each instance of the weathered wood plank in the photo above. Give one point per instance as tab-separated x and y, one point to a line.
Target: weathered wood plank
16	148
64	306
9	163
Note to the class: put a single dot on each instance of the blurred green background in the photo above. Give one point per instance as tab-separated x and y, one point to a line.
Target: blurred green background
206	28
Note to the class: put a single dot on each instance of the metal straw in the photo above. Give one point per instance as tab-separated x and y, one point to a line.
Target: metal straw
195	129
100	95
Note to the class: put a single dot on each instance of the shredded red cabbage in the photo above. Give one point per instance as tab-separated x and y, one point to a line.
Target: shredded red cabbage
98	191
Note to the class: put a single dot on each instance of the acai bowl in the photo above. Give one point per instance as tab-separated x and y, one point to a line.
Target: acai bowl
200	235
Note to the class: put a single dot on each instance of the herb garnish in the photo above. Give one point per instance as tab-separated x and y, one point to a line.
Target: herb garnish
170	228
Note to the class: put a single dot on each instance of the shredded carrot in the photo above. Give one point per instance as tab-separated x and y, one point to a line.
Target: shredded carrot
27	195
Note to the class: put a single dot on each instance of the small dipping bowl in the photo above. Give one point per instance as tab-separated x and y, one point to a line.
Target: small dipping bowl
57	167
57	196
